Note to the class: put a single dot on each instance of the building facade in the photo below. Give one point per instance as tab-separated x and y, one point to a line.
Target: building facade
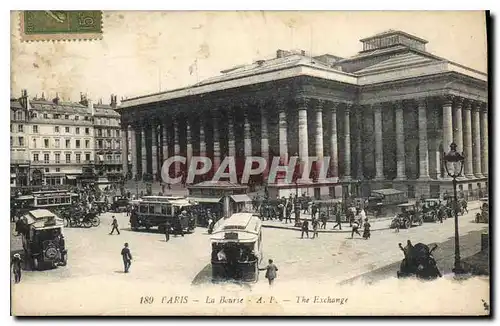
108	142
384	117
19	153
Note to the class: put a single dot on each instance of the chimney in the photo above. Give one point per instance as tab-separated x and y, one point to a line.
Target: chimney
56	99
90	105
83	100
280	54
113	101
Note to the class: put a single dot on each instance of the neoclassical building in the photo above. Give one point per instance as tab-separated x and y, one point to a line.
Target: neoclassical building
384	117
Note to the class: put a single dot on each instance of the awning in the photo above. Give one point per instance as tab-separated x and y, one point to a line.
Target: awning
241	198
205	199
71	177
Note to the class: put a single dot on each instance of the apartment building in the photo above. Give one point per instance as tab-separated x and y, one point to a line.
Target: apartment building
19	153
60	141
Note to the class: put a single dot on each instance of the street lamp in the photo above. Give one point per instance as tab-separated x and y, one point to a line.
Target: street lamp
454	163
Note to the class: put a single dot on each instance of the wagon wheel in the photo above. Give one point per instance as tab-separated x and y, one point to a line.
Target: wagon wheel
96	221
407	224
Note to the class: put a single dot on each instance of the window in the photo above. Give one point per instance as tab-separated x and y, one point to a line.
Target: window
77	117
68	158
77	143
118	133
19	115
87	143
78	157
99	144
87	131
46	158
11	141
58	143
117	144
11	127
35	129
34	142
58	169
66	130
108	143
68	143
66	116
45	116
77	130
58	158
21	141
35	157
99	132
118	157
87	157
46	143
34	114
47	170
109	132
56	129
108	158
20	128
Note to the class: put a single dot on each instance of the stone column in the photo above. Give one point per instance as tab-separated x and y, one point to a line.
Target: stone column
476	140
203	144
400	143
264	135
423	145
303	133
347	143
144	162
379	149
154	151
216	162
447	125
468	141
484	139
177	148
359	143
334	153
133	151
125	151
283	137
231	143
457	125
319	129
189	145
247	138
164	142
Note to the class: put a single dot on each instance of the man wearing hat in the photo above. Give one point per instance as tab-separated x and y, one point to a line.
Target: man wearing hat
115	226
127	257
16	267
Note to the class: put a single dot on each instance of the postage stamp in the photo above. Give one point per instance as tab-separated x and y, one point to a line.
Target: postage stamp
55	25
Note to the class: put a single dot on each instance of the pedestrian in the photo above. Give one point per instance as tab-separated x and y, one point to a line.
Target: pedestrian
355	228
314	210
397	223
338	220
167	231
323	220
288	216
16	267
366	229
305	228
127	257
115	226
271	270
315	224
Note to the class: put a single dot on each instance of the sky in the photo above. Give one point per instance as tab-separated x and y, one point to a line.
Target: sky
146	52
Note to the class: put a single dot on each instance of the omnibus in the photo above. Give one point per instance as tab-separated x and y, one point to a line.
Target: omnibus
156	211
47	199
237	248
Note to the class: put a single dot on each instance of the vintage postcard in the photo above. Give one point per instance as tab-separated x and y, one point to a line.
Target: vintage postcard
249	163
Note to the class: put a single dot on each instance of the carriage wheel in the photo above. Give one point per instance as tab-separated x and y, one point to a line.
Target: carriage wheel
96	221
407	224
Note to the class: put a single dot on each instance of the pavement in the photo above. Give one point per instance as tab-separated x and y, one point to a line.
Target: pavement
377	223
93	282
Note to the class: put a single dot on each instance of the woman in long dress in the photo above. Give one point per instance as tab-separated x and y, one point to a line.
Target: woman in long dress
366	229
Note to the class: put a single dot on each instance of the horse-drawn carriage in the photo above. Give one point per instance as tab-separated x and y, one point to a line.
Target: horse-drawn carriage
408	216
418	262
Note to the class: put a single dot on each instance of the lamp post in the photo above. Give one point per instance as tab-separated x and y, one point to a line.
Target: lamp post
454	163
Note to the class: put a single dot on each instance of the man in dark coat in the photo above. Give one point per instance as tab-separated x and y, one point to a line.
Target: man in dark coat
127	257
115	226
338	219
305	229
